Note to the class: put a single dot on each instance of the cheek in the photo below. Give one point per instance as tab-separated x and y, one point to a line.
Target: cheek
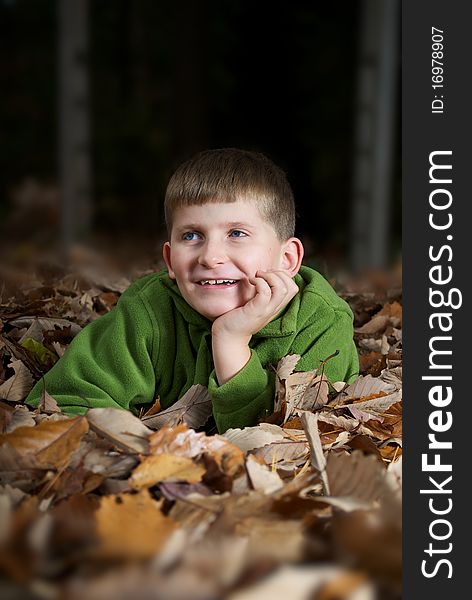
180	262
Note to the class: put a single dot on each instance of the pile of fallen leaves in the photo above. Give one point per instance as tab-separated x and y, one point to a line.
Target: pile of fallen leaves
107	505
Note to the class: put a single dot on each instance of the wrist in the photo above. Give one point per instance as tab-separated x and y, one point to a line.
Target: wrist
234	339
230	355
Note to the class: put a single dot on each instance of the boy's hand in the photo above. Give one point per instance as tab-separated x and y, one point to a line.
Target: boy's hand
274	290
232	331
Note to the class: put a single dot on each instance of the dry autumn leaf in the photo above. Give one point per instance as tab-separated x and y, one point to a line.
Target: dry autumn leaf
286	450
131	526
182	441
356	476
50	444
255	437
47	403
46	323
194	409
121	428
377	405
318	460
262	478
286	365
366	386
15	388
224	543
20	416
165	467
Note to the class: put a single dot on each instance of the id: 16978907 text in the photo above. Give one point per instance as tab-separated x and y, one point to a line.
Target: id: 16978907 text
437	70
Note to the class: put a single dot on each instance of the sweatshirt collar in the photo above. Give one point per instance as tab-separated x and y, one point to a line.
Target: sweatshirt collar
283	325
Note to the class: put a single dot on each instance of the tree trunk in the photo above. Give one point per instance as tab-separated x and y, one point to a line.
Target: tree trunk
74	121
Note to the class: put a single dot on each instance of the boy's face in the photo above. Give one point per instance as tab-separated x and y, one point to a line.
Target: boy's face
222	242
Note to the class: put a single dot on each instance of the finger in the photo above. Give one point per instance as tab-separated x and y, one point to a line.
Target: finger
281	282
291	286
285	292
281	291
263	292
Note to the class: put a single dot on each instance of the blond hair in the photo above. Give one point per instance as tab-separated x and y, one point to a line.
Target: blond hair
228	175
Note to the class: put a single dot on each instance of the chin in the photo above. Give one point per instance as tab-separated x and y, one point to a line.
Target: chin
214	313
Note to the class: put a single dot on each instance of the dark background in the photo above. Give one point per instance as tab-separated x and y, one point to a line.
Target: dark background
167	79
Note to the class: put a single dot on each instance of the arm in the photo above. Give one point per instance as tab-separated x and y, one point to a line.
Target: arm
249	395
108	364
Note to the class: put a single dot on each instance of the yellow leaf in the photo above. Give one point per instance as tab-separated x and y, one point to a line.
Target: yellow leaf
165	467
132	526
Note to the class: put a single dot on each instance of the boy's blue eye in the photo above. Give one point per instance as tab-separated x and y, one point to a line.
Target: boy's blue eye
237	233
189	236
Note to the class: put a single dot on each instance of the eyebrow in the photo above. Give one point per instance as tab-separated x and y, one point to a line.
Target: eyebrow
229	225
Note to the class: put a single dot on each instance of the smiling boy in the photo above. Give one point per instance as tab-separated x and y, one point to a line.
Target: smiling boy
232	302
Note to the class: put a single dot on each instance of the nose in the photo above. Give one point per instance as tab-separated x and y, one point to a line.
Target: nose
212	254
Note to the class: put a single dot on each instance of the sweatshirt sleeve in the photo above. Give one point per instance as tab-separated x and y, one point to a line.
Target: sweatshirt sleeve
108	364
244	398
249	395
335	338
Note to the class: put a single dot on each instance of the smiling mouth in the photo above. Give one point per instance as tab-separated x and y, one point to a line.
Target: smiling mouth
221	282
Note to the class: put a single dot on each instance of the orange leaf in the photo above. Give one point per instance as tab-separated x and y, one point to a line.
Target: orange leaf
132	526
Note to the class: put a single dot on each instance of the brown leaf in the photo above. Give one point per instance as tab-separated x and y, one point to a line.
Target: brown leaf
194	409
297	582
18	386
21	416
197	510
19	470
255	437
75	529
365	386
286	450
51	443
131	526
47	324
181	441
371	544
391	452
377	405
286	365
318	460
165	467
178	440
34	331
47	403
365	444
393	310
263	479
121	428
305	391
393	376
279	541
372	363
355	475
375	326
346	586
155	408
361	416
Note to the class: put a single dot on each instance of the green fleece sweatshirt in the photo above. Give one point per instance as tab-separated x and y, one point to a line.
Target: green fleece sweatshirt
154	344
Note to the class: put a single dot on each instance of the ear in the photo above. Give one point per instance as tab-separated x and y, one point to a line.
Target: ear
166	253
292	256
